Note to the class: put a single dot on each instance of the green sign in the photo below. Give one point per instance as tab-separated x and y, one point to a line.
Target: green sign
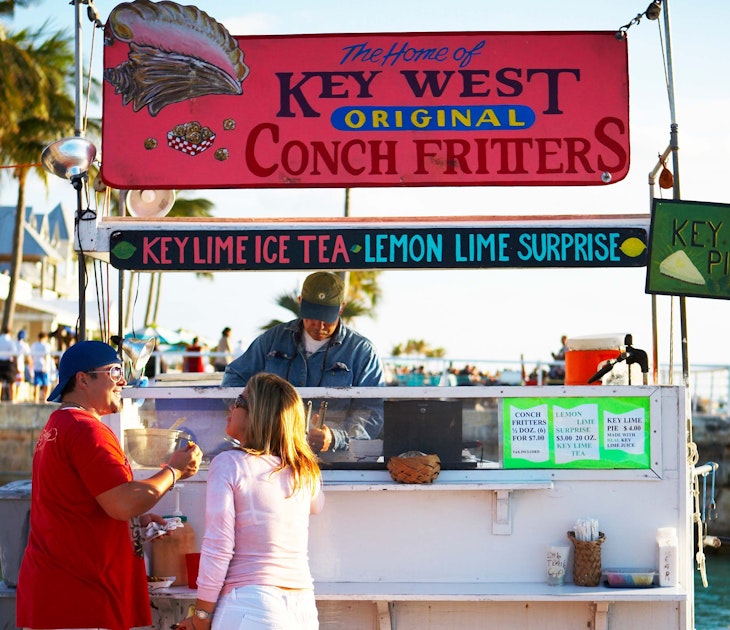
689	249
576	432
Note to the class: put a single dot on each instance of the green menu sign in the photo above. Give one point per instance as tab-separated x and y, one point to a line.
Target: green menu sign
689	249
576	432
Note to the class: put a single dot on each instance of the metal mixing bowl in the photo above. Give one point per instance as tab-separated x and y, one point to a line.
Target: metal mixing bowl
153	447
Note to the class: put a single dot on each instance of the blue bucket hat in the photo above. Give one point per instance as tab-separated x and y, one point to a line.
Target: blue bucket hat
322	295
83	356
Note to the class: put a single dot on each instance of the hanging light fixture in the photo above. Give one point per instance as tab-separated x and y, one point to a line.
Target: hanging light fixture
653	10
69	158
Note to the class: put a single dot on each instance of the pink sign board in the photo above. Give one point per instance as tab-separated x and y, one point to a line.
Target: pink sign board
187	105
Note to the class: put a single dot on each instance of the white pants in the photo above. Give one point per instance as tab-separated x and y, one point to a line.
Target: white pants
266	608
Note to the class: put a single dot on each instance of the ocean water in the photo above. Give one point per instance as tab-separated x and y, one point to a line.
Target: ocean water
712	604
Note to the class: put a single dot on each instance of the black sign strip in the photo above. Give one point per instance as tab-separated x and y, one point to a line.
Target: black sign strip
378	248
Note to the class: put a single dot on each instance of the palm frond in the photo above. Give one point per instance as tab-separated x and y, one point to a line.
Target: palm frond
271	324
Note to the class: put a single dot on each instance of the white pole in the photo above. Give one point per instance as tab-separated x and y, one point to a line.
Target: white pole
674	144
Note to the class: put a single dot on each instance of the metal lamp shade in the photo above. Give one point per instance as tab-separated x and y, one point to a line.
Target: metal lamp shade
68	157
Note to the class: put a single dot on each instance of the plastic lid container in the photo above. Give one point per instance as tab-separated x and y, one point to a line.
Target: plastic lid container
666	532
606	341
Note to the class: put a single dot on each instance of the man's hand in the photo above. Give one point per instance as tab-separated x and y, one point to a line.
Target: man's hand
146	519
187	460
320	439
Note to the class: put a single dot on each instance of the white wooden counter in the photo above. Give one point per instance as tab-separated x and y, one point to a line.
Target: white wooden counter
468	551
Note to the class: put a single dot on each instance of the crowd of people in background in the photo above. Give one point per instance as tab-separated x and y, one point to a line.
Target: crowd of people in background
420	376
220	356
27	370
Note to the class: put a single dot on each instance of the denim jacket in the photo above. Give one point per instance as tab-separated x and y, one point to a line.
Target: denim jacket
347	360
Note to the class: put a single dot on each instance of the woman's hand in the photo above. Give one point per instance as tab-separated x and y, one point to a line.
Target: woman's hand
193	623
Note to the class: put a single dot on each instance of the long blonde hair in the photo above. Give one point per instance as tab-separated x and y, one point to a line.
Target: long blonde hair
276	414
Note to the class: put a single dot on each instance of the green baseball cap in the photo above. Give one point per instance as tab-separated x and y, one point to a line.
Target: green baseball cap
322	295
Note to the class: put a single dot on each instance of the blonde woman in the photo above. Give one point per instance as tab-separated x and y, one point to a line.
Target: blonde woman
254	567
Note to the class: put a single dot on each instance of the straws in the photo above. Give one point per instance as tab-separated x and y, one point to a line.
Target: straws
586	529
309	413
322	413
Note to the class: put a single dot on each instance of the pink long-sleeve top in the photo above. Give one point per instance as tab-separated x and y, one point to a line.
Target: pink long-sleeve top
256	531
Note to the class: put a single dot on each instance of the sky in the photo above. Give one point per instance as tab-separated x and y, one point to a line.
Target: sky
481	314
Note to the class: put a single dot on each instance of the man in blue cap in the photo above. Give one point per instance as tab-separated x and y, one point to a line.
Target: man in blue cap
318	350
80	568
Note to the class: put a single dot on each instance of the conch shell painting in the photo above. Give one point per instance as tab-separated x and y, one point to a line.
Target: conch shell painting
175	53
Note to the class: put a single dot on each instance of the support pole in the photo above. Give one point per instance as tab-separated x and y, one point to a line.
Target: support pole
78	184
674	144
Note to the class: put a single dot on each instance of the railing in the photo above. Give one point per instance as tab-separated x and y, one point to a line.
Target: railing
709	384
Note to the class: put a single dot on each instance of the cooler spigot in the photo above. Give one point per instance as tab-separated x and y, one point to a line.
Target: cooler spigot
638	356
606	368
629	354
634	355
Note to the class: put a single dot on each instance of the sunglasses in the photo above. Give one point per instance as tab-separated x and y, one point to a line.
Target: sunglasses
115	372
241	402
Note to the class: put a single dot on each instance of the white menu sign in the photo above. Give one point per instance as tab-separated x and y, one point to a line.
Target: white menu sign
576	433
529	429
625	431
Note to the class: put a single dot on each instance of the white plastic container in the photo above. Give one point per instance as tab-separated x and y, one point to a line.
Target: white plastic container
667	545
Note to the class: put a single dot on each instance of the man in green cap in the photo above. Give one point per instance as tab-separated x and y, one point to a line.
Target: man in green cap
318	350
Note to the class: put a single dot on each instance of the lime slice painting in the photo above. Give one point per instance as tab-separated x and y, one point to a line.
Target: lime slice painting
680	267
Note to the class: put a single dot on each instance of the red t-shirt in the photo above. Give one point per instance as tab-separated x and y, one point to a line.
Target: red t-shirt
79	569
193	364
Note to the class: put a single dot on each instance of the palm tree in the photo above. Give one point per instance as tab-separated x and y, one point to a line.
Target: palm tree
363	287
7	7
418	347
17	79
184	207
43	112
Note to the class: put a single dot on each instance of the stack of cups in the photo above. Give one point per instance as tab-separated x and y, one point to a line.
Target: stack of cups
557	564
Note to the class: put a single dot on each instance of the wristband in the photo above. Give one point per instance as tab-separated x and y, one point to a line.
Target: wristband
174	476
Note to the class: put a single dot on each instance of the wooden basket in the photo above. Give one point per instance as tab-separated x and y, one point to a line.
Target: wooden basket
587	560
414	467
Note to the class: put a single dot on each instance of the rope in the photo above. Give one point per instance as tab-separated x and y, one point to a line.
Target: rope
700	514
88	82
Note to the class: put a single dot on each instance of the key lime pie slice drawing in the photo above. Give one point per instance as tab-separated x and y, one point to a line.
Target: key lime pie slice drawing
680	267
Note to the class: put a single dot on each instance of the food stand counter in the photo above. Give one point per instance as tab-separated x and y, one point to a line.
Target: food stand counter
469	549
